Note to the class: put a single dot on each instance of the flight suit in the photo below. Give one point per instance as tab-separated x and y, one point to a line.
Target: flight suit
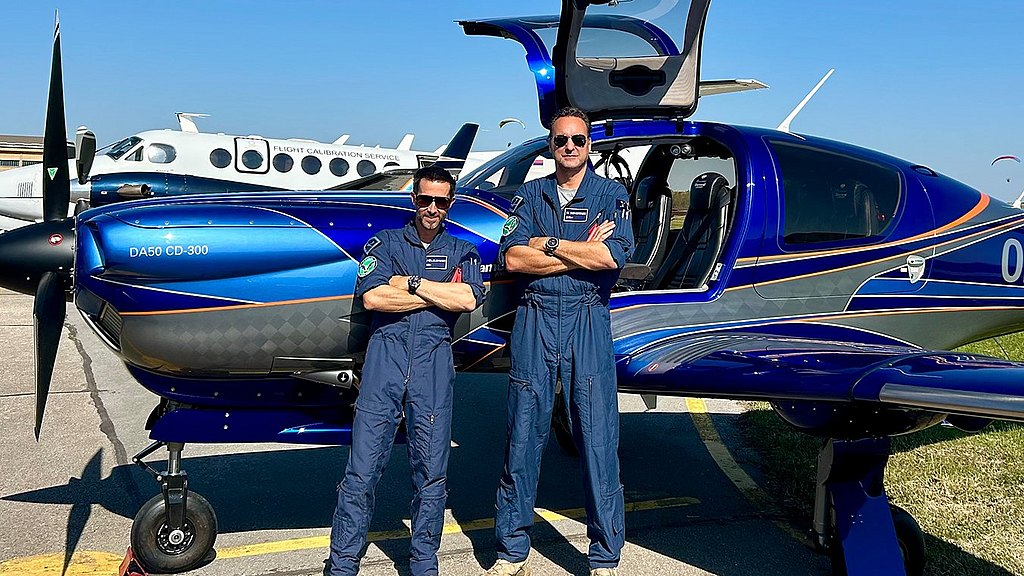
408	370
562	329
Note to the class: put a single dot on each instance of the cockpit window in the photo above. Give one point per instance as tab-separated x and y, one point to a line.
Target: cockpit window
161	153
119	148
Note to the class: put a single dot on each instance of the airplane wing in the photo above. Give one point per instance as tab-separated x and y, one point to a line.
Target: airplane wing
714	87
779	368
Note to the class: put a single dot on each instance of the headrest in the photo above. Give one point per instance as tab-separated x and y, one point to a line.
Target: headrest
705	189
848	189
647	190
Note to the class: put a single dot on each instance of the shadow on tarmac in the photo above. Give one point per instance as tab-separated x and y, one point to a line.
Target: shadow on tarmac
661	457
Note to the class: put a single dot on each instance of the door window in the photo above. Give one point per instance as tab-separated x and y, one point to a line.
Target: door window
828	197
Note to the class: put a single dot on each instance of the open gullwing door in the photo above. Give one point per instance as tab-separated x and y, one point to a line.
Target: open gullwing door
638	59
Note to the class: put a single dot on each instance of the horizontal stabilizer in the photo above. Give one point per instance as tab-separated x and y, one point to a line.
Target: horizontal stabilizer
713	87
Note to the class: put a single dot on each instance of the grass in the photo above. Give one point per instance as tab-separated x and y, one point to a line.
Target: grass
966	490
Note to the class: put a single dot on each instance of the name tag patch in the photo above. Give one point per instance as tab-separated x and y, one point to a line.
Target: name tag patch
579	215
437	262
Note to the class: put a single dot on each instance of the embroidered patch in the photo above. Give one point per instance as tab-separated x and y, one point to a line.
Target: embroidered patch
516	203
369	264
510	225
578	215
371	244
437	262
623	207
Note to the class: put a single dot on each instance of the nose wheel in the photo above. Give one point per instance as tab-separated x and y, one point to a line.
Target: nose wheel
175	530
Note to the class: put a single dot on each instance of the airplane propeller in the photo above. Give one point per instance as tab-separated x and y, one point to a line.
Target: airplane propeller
38	259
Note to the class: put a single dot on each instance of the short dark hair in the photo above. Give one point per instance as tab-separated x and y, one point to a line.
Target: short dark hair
570	112
433	174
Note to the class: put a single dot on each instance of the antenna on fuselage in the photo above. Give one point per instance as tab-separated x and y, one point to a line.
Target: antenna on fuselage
186	123
784	127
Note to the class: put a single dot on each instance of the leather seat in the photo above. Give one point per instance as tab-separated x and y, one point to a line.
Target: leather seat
652	208
691	261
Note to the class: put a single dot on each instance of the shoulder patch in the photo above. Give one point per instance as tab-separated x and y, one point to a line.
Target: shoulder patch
516	203
623	208
510	225
371	244
369	264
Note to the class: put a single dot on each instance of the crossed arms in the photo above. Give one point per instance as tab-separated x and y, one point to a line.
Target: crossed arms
591	254
395	297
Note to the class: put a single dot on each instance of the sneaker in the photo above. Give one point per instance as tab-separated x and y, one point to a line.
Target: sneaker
604	572
506	568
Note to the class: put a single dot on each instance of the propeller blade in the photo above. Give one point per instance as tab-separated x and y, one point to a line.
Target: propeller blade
85	152
56	182
48	323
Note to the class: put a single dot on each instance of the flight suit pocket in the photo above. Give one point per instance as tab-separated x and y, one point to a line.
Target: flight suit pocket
522	412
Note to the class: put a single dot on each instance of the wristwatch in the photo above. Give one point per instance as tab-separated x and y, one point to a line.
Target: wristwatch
550	246
414	284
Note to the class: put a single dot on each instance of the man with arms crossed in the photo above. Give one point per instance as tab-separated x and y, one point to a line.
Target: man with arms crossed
417	280
566	239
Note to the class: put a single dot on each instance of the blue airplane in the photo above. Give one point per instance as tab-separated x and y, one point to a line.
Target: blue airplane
828	279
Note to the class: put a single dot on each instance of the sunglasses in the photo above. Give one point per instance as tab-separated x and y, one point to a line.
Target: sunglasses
562	140
424	200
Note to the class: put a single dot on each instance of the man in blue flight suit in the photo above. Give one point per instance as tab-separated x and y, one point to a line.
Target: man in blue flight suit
567	237
417	280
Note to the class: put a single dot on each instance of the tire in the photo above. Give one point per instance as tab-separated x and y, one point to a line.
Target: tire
150	536
560	426
911	540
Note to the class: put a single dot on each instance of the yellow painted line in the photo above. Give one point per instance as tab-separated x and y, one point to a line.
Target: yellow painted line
85	563
540	514
732	470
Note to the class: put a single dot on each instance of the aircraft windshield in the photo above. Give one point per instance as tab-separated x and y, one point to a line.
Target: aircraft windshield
122	147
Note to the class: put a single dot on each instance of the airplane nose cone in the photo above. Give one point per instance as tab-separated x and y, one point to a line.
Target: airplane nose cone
28	252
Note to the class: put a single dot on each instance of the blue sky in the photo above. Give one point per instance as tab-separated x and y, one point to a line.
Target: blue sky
936	82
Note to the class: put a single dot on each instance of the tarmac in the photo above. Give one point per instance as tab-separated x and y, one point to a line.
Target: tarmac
67	501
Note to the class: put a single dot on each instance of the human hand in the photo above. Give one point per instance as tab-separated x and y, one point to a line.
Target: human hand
400	282
537	242
601	232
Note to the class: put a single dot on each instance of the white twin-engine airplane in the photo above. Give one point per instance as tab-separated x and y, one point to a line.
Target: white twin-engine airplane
186	161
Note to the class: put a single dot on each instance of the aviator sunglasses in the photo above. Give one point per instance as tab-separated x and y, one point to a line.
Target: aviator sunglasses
424	200
562	140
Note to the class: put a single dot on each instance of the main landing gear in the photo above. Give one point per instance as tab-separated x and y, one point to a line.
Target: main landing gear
175	530
853	520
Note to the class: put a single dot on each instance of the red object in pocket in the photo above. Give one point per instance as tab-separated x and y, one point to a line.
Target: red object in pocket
457	277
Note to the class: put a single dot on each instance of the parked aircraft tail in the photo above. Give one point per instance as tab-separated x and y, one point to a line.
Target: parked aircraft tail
453	156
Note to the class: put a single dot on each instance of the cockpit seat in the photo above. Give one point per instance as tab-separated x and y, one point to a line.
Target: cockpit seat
652	209
699	243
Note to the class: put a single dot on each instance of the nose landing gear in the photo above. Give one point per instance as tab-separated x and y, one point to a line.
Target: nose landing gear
175	530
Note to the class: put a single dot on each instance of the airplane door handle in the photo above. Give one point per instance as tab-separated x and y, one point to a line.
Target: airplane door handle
914	268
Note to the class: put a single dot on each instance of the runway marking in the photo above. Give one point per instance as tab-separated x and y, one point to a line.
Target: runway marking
540	514
728	465
85	563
